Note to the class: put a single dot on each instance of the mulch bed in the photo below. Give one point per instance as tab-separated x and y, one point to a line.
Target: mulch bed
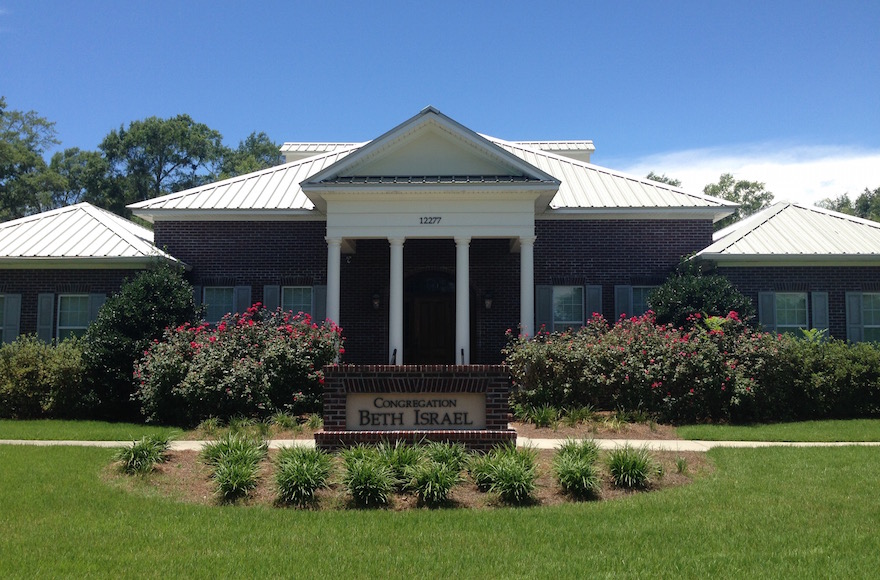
184	478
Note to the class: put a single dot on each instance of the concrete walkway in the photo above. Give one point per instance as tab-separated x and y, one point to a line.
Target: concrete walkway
653	444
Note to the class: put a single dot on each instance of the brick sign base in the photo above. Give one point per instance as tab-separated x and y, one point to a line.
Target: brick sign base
436	381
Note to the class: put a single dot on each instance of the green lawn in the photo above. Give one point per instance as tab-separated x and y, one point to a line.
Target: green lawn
55	430
848	430
776	512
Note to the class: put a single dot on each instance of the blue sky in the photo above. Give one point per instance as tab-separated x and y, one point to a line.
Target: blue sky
782	92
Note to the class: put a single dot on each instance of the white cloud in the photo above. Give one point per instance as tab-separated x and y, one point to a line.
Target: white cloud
791	172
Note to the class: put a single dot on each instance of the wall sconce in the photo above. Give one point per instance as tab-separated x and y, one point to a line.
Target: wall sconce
487	301
375	302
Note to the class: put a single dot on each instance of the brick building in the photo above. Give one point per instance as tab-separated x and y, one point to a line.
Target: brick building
429	242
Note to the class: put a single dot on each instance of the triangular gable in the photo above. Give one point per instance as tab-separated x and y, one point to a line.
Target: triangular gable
428	145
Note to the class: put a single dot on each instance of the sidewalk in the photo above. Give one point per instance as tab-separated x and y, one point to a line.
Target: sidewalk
654	445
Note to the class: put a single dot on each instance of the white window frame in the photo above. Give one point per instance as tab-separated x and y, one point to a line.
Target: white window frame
310	310
63	332
792	328
559	324
645	291
875	328
209	312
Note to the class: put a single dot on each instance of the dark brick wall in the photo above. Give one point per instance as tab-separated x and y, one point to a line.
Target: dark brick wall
30	283
835	280
566	252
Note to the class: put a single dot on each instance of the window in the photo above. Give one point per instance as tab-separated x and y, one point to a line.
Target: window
73	315
219	301
640	299
568	307
297	298
791	312
871	316
2	312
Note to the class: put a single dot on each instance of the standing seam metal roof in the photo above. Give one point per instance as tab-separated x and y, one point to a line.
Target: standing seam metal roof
77	231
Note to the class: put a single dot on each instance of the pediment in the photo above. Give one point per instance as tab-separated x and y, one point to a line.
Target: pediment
431	146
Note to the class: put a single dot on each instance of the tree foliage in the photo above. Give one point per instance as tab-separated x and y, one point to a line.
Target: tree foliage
750	195
126	327
688	291
664	179
256	152
866	205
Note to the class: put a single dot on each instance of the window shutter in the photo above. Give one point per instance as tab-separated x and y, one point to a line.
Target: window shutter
45	316
820	310
594	301
319	304
854	328
543	308
11	316
96	301
623	301
767	310
197	295
241	298
272	297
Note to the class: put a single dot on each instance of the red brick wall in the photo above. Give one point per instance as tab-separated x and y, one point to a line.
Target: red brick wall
566	252
835	280
30	283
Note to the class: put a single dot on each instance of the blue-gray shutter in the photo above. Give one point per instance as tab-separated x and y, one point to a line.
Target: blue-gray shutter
543	308
96	301
854	327
241	298
45	316
319	304
11	316
198	298
272	297
594	302
767	310
623	301
820	310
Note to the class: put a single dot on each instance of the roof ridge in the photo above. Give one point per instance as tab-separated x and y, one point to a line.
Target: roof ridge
121	228
757	220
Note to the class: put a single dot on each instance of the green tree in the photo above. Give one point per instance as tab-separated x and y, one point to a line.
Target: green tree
750	195
866	205
125	328
842	204
256	152
158	156
689	291
664	179
24	176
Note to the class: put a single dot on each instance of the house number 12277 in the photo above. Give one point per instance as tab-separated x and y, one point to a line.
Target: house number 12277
429	220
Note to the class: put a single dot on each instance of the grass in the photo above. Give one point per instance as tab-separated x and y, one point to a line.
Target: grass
140	457
834	430
57	430
776	512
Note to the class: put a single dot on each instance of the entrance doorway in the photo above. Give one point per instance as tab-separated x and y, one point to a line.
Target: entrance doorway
429	319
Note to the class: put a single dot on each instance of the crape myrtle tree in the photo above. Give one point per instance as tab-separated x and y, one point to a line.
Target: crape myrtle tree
126	326
688	291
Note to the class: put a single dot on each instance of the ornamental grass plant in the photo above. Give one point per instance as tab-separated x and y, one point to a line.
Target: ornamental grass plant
433	480
300	472
142	456
631	467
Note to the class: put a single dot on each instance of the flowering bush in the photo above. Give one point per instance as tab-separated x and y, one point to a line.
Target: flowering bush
254	364
714	369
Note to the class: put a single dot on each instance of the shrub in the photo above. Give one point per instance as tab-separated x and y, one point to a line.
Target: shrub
574	466
453	454
369	480
432	481
399	457
544	416
127	324
39	380
234	445
506	470
251	365
142	456
300	473
688	291
235	476
631	467
585	450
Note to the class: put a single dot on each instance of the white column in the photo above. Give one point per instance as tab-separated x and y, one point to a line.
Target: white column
334	250
395	306
527	285
462	301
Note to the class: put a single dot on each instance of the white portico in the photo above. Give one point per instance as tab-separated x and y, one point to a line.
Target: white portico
431	177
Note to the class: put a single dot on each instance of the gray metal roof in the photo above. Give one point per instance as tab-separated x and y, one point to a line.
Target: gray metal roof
585	189
790	231
80	231
316	148
585	185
